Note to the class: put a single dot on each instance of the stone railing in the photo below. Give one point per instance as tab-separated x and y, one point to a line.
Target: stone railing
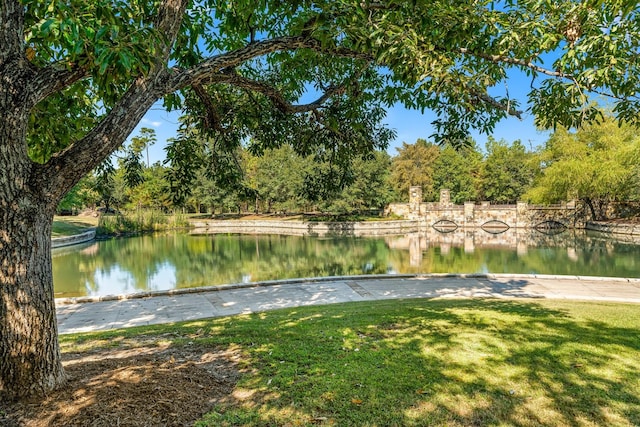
471	215
484	215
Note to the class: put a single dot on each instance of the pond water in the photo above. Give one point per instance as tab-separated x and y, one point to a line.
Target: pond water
179	260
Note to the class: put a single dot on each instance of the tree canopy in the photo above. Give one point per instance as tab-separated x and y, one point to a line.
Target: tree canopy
77	76
240	67
597	164
458	171
508	171
414	165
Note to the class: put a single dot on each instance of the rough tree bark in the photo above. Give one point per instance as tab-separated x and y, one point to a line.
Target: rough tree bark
28	333
28	330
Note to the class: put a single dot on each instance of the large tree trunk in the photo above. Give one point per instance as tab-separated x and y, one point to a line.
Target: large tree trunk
30	361
29	353
29	350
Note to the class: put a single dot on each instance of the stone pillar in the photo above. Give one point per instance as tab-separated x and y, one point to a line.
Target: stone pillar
522	215
469	214
415	200
445	197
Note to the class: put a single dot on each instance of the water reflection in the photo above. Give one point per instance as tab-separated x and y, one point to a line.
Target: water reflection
571	252
170	261
512	239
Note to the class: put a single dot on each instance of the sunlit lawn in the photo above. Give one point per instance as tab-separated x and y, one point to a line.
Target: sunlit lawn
70	225
422	363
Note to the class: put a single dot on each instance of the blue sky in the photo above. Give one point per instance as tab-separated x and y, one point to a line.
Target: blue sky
408	124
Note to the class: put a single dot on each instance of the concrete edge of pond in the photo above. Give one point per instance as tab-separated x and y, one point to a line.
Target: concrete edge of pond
76	239
232	286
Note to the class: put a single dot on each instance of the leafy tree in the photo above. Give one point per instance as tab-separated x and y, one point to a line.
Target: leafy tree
597	164
105	183
458	170
77	76
193	150
507	172
370	189
143	141
414	166
82	195
132	169
210	195
152	192
277	176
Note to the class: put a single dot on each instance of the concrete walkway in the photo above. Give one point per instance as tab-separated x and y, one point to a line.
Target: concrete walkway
191	304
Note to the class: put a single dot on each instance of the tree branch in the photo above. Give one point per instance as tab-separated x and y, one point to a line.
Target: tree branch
376	5
167	24
214	65
276	97
498	59
486	98
209	70
64	169
211	118
54	78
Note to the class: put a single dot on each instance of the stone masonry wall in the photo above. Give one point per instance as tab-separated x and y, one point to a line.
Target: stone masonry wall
301	228
484	215
632	229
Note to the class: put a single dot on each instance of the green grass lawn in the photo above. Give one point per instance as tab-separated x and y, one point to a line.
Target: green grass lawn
420	363
70	225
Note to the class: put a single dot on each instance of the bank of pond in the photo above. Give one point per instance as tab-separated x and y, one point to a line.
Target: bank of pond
172	260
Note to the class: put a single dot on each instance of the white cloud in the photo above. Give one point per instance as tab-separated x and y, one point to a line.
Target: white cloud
148	122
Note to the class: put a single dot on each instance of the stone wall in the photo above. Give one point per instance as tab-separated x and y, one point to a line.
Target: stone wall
629	229
302	228
446	216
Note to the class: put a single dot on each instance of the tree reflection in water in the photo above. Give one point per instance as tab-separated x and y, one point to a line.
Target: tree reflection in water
166	261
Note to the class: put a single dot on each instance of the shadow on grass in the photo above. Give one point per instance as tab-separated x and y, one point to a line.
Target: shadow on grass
440	363
384	363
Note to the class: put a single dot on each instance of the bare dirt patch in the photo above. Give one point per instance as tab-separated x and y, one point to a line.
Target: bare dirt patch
146	386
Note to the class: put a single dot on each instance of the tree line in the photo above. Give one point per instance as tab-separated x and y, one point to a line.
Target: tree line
597	165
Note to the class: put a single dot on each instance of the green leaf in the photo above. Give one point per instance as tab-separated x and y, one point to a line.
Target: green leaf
46	25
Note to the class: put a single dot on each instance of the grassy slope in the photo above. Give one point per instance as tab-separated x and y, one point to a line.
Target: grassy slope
70	225
421	363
